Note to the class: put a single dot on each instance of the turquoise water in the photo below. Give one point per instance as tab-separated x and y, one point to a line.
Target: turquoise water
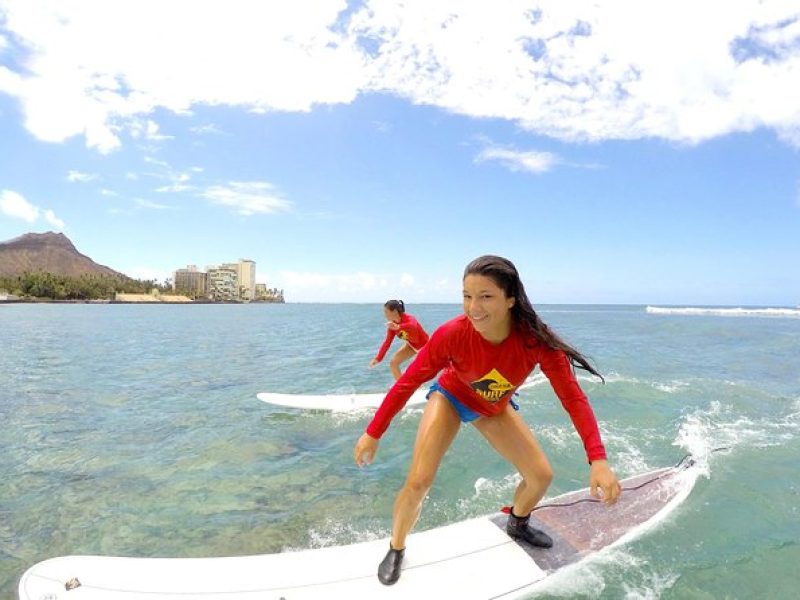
134	430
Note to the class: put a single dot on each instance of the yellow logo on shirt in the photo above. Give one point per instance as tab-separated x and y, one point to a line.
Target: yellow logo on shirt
492	386
402	335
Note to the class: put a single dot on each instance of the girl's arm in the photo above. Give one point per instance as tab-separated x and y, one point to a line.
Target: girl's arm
557	368
431	359
390	333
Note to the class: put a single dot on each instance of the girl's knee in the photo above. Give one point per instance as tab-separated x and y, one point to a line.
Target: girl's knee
541	474
418	485
396	361
546	474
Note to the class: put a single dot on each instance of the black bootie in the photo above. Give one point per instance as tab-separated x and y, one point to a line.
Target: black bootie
389	569
518	528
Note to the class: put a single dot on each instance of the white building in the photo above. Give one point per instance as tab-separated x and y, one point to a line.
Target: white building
223	283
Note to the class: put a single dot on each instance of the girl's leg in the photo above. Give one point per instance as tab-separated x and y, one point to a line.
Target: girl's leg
438	427
401	356
512	438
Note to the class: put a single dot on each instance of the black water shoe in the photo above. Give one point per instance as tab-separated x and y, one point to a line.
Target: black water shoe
518	528
389	569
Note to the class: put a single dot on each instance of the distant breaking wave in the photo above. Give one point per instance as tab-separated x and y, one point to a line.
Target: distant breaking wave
726	312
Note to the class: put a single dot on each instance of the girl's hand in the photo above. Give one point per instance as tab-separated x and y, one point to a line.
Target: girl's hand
365	450
601	476
373	362
392	325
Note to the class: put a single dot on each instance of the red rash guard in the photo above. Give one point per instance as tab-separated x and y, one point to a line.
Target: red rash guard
483	376
410	331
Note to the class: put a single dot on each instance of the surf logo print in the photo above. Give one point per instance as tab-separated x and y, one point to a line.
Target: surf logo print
492	386
402	335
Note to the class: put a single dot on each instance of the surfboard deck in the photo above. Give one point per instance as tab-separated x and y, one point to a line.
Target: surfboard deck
471	559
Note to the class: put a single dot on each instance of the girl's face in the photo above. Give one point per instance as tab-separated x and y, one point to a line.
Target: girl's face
391	315
487	307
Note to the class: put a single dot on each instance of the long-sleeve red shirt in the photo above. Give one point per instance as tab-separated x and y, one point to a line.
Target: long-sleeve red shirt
483	376
410	331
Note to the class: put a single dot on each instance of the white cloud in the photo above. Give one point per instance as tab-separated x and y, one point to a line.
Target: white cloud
605	70
107	192
206	129
15	205
148	130
95	68
77	176
175	188
155	161
247	197
533	162
682	71
142	203
178	181
51	218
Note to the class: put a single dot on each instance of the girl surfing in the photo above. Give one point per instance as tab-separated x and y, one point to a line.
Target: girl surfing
401	324
483	356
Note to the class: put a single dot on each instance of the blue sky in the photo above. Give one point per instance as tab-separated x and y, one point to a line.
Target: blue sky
366	151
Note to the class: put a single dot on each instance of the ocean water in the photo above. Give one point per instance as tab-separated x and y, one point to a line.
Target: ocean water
134	430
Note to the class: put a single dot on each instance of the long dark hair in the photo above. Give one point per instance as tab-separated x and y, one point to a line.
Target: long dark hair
503	272
397	305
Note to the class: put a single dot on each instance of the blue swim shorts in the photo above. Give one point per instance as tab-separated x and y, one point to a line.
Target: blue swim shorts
466	414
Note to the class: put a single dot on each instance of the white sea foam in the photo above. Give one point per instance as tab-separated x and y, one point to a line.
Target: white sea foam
336	533
669	387
725	312
707	429
628	458
344	418
613	377
653	586
794	416
484	486
588	579
411	413
533	381
558	435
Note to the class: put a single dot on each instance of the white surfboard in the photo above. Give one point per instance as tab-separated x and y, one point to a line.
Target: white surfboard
348	402
335	402
472	559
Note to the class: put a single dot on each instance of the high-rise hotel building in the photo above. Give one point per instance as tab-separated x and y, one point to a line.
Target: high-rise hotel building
228	282
245	276
191	282
223	283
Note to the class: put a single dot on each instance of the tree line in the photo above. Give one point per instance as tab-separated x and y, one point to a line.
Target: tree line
85	287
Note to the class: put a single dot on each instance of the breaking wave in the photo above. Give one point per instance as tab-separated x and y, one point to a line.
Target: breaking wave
725	312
